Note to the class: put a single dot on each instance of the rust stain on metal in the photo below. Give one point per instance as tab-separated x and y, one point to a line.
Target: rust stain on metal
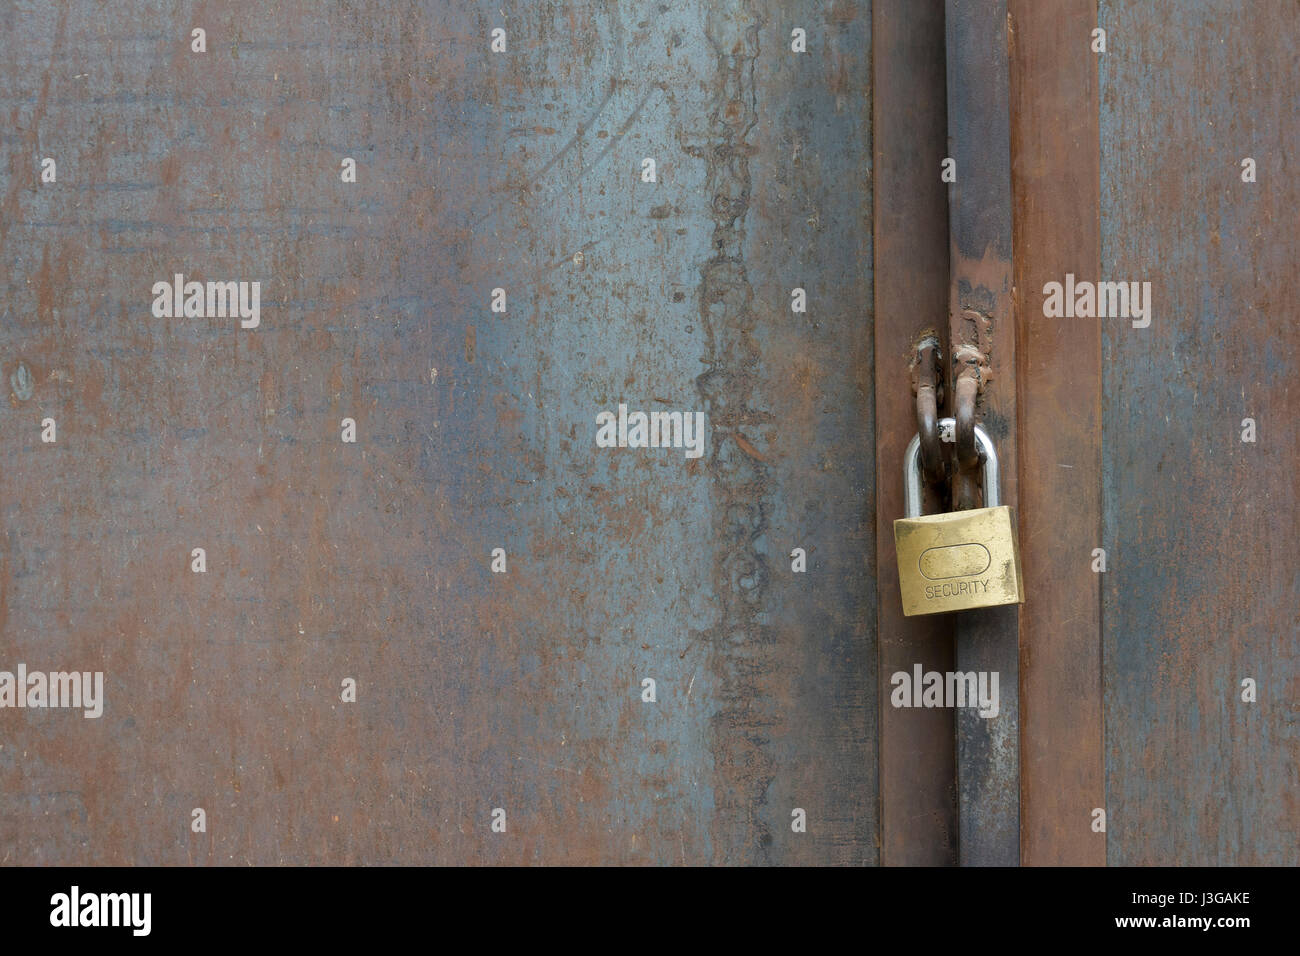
747	447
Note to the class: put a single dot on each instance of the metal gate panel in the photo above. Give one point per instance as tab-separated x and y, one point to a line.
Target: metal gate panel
1201	590
476	431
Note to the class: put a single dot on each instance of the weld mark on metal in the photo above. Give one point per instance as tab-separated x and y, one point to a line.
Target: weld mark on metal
743	648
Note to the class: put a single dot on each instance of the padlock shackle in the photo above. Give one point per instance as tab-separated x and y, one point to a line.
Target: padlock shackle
912	469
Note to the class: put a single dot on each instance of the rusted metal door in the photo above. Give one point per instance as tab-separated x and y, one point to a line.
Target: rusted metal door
437	620
514	162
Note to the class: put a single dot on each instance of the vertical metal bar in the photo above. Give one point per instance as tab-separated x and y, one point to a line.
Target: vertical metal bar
917	760
981	319
1055	168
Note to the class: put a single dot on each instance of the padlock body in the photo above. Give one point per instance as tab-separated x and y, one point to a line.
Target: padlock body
958	560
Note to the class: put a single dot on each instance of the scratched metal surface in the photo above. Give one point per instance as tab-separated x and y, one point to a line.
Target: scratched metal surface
475	431
1201	529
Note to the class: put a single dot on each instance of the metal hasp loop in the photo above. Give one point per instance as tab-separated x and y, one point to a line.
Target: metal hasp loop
926	382
967	364
967	452
912	470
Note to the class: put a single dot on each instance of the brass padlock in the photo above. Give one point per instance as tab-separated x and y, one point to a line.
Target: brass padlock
962	559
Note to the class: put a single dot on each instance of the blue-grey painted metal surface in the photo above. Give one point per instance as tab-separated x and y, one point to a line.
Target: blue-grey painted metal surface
1201	591
519	170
